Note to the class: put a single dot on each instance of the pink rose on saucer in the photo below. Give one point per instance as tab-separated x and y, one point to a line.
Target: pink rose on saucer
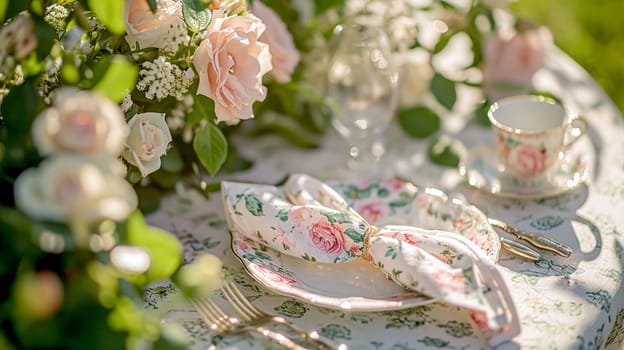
529	160
327	237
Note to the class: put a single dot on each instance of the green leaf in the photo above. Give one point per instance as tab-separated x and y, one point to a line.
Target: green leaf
203	109
443	90
133	174
196	17
398	203
46	37
4	5
419	121
13	8
164	249
117	77
442	42
321	6
254	206
149	199
19	108
70	73
152	5
172	161
210	147
446	151
480	113
354	235
282	215
110	13
547	95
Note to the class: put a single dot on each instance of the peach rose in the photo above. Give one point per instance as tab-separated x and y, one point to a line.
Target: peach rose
80	122
327	237
285	56
509	64
147	29
230	63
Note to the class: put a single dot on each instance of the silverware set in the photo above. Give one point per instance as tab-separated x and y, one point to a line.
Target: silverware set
253	320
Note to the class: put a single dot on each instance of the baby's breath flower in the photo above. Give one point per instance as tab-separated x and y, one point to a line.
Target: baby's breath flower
177	35
160	79
55	15
126	103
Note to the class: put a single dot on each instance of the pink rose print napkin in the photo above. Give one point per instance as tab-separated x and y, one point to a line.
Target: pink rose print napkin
308	219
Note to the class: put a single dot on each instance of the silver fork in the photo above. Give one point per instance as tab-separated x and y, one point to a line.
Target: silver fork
251	314
225	325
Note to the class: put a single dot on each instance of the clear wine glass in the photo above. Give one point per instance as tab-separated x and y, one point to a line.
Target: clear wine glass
362	92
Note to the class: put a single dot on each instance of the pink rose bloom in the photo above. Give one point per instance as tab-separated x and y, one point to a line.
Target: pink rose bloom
392	184
230	63
411	239
327	237
372	212
509	64
528	159
449	280
274	275
281	44
300	217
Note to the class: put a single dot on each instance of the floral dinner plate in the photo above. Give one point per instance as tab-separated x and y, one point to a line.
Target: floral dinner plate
358	285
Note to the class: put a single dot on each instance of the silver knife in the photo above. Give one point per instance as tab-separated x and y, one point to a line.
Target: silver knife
535	239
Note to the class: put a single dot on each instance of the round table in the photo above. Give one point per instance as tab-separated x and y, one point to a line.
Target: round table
563	303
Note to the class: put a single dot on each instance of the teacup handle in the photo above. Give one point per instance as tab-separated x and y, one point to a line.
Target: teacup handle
574	130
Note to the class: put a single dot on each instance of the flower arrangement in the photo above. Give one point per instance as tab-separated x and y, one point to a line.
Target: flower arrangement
105	104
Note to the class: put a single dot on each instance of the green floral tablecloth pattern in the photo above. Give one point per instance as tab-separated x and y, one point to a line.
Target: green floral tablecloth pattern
564	303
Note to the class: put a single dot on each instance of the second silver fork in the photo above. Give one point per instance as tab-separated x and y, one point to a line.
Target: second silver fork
251	314
225	325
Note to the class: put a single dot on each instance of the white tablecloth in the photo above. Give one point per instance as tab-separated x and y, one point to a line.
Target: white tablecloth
564	303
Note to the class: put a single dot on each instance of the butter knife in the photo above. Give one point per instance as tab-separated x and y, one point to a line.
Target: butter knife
520	249
535	239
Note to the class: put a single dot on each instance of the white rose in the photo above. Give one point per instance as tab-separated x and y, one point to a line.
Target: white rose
149	29
18	37
80	122
67	187
148	141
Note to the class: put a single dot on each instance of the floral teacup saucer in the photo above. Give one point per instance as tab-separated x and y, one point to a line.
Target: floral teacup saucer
481	169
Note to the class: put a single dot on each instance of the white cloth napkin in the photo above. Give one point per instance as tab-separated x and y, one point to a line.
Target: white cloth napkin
324	229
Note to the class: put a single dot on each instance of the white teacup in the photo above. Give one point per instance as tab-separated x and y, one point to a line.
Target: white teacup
532	132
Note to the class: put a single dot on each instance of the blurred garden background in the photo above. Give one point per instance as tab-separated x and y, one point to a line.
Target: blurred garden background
591	32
